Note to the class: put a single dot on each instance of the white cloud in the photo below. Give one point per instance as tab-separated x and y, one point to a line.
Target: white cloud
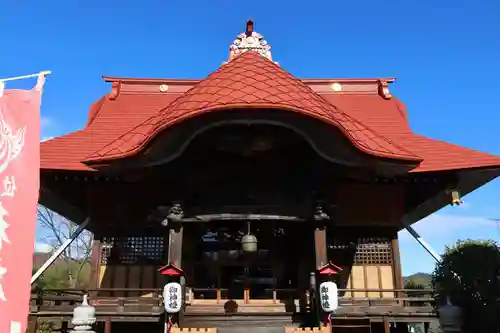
43	248
45	122
46	128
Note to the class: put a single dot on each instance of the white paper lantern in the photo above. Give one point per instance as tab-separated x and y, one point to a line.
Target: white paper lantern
172	297
328	296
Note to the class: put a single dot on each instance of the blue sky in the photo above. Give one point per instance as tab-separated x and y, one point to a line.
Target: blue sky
444	54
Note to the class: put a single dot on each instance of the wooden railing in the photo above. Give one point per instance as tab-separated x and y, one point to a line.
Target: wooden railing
52	301
63	301
406	297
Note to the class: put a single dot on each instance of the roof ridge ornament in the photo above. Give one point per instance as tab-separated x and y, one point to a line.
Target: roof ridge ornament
250	41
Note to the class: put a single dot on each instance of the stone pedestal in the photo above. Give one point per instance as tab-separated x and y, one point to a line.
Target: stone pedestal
83	317
450	318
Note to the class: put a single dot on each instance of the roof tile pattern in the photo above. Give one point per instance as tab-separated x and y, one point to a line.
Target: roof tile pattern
251	81
387	117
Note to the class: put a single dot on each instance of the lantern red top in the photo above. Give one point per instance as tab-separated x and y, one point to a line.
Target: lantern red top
171	270
329	269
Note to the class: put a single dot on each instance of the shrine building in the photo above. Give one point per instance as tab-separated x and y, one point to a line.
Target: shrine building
257	186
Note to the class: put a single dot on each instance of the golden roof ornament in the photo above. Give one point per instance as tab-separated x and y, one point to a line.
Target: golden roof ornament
250	41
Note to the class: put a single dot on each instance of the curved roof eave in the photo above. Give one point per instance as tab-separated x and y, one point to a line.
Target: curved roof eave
251	81
399	154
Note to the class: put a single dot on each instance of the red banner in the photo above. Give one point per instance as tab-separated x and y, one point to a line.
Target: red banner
19	186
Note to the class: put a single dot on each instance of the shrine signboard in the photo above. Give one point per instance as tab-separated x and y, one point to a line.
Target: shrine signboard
19	186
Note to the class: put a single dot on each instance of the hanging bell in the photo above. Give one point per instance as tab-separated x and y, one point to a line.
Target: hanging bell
249	242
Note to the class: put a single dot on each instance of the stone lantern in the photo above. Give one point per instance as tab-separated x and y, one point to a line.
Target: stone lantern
450	317
83	317
249	242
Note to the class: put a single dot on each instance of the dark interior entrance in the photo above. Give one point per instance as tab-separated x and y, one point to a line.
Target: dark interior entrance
233	279
259	281
227	271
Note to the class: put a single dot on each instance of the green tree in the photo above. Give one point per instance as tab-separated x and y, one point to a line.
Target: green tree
411	284
58	275
72	269
40	283
469	276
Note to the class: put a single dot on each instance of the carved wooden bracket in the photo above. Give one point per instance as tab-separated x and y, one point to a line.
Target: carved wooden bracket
383	89
115	90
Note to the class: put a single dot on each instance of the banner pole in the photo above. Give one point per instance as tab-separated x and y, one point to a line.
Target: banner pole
41	77
42	73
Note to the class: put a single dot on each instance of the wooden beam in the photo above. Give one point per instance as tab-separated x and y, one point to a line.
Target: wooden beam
241	217
57	203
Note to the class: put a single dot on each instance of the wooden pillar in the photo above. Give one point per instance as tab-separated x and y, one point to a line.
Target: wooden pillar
175	246
321	260
107	324
396	266
95	269
320	246
175	257
32	324
387	326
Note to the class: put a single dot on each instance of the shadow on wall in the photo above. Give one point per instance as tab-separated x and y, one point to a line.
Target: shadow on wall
132	263
344	259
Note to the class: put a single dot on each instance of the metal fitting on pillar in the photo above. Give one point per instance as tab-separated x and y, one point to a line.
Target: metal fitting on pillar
320	214
312	280
83	317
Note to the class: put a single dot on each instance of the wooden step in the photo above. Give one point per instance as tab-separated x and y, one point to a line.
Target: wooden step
239	323
240	308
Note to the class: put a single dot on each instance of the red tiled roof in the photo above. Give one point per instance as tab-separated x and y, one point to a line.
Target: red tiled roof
107	120
389	118
251	81
374	124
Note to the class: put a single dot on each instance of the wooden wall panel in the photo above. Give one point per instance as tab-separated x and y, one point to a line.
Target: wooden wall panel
370	277
133	276
148	278
387	280
134	279
372	280
383	204
120	279
358	280
121	267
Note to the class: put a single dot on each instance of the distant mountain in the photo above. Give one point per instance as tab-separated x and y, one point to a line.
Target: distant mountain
423	279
